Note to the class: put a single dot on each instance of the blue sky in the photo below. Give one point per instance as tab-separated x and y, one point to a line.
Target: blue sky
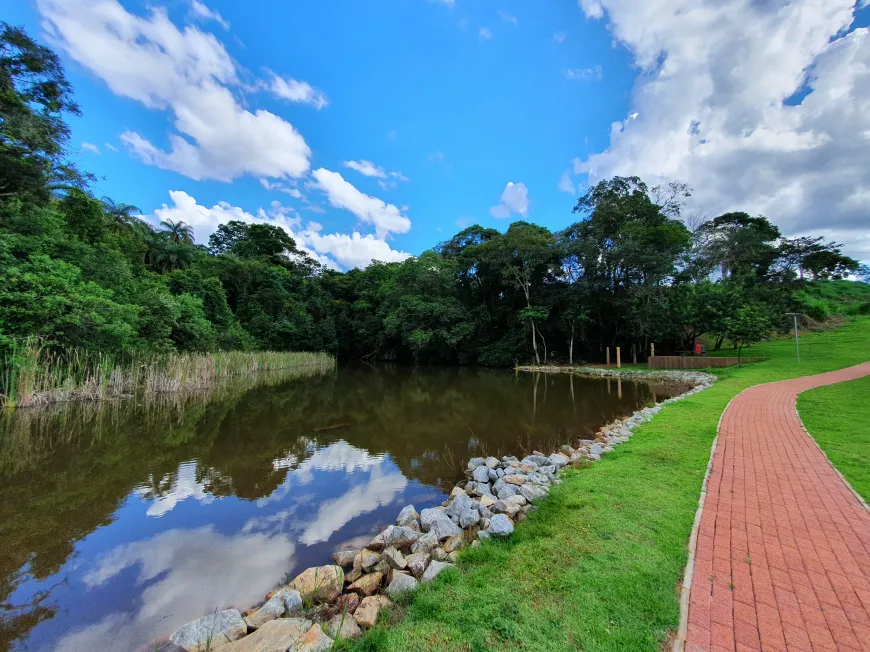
235	106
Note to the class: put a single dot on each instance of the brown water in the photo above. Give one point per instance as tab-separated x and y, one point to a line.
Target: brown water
121	522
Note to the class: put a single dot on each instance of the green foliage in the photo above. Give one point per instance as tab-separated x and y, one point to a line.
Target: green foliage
748	325
86	273
34	96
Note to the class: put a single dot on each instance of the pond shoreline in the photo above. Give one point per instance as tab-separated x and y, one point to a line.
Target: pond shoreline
317	607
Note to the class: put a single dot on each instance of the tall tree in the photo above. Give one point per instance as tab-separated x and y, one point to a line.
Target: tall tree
34	98
178	231
123	215
738	242
525	255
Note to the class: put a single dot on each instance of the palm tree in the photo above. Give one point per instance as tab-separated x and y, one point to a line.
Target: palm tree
121	214
167	255
178	231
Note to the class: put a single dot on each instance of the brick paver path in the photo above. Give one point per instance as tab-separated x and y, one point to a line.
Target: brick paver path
782	559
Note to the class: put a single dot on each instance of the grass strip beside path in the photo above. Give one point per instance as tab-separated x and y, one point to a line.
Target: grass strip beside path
597	567
838	417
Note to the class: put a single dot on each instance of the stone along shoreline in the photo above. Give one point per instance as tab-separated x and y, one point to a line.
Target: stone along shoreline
326	603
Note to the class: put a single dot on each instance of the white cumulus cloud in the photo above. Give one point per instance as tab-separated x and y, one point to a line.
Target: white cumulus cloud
90	147
386	218
334	251
761	106
514	199
183	71
485	33
294	90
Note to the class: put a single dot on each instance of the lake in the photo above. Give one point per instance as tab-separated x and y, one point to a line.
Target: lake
121	521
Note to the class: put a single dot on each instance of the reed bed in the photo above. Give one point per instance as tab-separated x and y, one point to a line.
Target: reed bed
32	375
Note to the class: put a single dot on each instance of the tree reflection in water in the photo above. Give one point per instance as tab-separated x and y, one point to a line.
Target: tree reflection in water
133	517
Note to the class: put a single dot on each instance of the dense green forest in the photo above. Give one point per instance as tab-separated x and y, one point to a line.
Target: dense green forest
90	273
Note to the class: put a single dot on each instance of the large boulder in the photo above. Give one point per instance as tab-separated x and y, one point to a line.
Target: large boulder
533	493
320	583
366	559
434	569
474	462
342	626
500	526
469	517
507	491
366	614
417	563
274	636
344	558
217	628
408	517
559	459
518	479
481	489
275	607
481	474
425	543
397	536
459	504
538	460
394	558
401	584
367	584
314	640
435	520
492	462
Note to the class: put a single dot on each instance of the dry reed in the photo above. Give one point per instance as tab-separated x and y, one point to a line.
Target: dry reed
31	375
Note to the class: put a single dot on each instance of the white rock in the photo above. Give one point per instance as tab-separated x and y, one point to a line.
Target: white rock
500	526
434	569
408	516
215	629
401	584
435	521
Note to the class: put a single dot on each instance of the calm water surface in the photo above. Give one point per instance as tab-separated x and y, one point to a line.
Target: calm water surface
121	522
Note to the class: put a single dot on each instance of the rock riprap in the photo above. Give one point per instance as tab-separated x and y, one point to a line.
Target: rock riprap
324	603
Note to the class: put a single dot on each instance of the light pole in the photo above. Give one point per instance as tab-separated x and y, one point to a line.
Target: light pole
797	339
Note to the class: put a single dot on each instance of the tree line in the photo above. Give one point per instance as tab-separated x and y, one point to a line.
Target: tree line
86	272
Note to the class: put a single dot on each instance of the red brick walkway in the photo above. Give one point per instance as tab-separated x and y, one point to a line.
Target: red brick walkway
782	559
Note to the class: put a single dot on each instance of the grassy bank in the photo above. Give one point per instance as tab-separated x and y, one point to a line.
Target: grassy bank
598	565
31	375
837	417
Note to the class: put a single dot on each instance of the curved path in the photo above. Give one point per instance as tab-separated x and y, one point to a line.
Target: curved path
782	552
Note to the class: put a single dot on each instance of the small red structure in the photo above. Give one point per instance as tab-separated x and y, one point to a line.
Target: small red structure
698	349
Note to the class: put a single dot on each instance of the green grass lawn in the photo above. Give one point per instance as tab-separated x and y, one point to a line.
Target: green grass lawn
838	416
597	567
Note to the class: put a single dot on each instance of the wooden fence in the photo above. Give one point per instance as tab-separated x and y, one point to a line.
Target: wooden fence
694	362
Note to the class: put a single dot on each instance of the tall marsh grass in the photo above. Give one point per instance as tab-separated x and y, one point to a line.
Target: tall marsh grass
32	375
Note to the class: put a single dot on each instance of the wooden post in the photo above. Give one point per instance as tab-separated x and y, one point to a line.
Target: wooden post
618	358
619	388
652	350
633	354
608	356
608	385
